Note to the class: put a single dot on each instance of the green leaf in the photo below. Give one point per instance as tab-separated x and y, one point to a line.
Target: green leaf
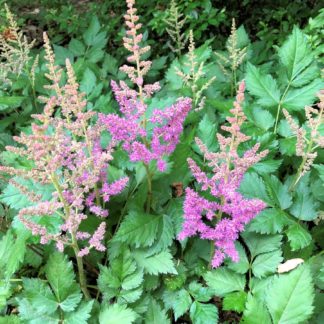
88	81
60	275
298	237
10	319
224	281
269	221
263	119
242	266
266	263
262	86
295	54
199	292
278	192
11	102
304	207
155	314
235	301
117	314
255	312
76	47
138	229
252	186
155	264
80	315
207	132
203	313
179	301
297	99
261	243
290	296
267	166
92	31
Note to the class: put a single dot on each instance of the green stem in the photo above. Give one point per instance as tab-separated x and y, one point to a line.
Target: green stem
280	105
149	188
212	251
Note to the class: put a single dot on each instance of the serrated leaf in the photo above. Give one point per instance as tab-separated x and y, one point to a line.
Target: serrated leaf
92	31
262	86
297	99
263	119
255	312
138	229
235	301
76	47
269	221
242	266
71	302
155	314
60	275
80	315
179	301
266	263
203	313
117	314
304	207
88	81
290	296
199	292
154	264
207	132
295	54
224	281
267	166
261	243
298	237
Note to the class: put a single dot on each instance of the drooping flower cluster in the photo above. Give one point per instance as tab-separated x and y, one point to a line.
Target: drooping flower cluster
308	142
64	148
223	219
132	128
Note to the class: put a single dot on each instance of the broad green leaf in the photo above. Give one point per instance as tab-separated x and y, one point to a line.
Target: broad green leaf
171	76
179	301
266	263
252	186
80	315
298	237
76	47
88	81
258	243
138	229
92	31
297	99
295	54
242	266
267	166
203	313
262	86
60	275
269	221
235	301
155	314
155	264
263	119
224	281
304	207
117	314
207	132
255	312
199	292
277	192
10	102
10	319
61	54
290	297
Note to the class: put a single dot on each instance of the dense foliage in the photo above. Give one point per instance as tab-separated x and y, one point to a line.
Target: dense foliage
159	171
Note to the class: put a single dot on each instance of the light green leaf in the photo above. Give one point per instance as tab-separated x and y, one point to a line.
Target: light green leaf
298	237
207	132
297	99
80	315
138	229
242	266
10	102
255	312
199	292
269	221
117	314
155	264
266	263
261	243
262	86
290	297
263	119
92	31
224	281
155	314
88	81
76	47
179	301
203	313
304	207
235	301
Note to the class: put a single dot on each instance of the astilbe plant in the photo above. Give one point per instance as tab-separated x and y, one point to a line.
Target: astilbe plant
223	219
307	141
145	138
64	148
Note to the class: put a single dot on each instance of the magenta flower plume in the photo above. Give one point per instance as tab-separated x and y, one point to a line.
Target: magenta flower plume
222	220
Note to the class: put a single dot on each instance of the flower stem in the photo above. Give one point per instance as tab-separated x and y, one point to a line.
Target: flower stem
149	188
212	251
